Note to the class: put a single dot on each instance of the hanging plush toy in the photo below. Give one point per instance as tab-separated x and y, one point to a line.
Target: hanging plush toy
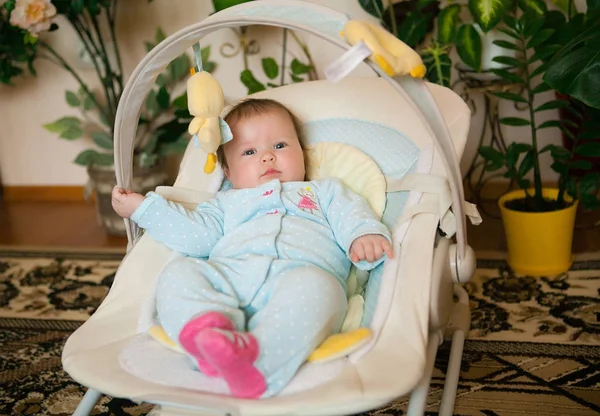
205	103
390	53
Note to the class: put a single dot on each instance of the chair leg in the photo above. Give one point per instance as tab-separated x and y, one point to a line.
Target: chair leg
418	398
461	321
87	403
452	374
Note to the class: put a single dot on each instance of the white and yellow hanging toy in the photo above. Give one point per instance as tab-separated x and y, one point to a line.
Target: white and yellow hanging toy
205	103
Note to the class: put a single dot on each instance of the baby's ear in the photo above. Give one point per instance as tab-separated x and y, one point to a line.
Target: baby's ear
226	170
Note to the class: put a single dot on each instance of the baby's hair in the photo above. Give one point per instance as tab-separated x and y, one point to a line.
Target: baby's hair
252	107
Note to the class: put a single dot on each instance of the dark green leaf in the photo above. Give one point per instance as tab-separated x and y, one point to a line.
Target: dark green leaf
250	82
590	183
179	68
510	33
542	87
590	202
298	68
103	139
592	5
373	7
581	164
527	163
506	45
571	186
209	66
270	67
550	123
589	149
536	6
515	121
72	133
539	38
530	24
92	157
163	98
560	153
552	105
508	60
447	23
149	46
271	85
88	103
159	36
414	25
205	54
547	148
493	166
560	168
574	69
63	124
488	13
296	78
161	80
539	70
491	154
468	46
72	99
509	96
547	51
508	75
181	102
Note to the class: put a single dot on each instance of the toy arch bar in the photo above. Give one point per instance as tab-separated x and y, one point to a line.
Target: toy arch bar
315	19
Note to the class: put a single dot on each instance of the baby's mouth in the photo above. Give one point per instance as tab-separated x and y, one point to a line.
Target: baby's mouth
270	172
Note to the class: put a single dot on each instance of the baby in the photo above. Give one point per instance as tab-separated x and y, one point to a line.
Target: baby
279	252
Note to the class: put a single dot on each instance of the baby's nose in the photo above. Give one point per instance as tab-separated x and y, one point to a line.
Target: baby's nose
268	157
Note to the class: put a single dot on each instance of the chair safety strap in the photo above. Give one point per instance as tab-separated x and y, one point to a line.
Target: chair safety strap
438	186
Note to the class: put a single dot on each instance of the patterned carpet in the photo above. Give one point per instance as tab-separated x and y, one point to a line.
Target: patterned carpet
534	345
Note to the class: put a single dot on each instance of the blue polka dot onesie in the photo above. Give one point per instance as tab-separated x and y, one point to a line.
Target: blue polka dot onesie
273	258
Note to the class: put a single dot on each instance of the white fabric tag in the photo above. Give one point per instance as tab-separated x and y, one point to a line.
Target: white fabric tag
342	66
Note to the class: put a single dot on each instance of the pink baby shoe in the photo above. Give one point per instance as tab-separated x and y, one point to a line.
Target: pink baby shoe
233	354
193	328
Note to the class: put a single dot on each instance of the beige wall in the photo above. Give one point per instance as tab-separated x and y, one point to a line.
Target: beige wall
29	155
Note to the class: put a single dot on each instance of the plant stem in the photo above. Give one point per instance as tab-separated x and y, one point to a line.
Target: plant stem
109	73
313	71
537	178
392	18
283	53
84	35
112	17
61	62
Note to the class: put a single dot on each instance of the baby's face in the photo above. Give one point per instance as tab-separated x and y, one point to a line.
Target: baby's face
264	147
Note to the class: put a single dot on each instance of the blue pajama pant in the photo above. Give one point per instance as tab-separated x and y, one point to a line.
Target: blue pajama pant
297	307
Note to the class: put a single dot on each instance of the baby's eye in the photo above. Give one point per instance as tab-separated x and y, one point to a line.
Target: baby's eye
249	152
280	145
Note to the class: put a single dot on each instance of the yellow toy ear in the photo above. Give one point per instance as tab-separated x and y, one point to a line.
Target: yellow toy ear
392	55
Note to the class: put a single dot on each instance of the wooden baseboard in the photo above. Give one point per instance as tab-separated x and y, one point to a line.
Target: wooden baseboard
43	194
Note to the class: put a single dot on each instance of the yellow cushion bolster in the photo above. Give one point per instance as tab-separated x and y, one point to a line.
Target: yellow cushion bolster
158	333
340	345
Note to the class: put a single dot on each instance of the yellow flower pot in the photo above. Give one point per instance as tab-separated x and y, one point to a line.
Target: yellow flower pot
539	243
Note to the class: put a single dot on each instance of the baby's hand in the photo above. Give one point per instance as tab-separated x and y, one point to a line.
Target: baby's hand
370	248
125	202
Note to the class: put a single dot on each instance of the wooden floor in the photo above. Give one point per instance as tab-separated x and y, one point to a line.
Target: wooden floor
74	225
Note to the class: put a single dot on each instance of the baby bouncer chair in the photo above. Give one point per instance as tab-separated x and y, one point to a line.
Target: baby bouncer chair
396	141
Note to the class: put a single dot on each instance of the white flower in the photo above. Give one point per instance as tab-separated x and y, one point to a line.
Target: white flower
34	16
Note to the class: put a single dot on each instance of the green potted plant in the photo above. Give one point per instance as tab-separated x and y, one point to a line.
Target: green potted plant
539	221
415	21
164	119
